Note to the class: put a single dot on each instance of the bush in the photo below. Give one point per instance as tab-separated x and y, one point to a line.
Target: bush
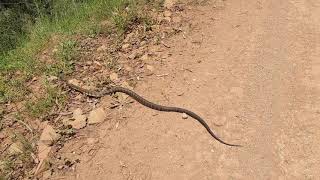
17	17
11	29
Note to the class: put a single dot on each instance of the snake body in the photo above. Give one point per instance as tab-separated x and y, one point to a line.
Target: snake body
114	89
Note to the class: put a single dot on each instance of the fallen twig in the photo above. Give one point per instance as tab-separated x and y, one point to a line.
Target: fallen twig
161	75
165	45
25	124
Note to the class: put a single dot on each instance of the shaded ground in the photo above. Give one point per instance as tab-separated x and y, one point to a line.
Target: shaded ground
251	69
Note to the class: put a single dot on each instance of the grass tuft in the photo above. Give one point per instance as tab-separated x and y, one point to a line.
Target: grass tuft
42	106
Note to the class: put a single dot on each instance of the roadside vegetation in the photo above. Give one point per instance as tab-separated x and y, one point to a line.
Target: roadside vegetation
27	30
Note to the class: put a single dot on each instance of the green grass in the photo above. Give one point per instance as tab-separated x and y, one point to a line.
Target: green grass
42	106
65	56
53	96
21	64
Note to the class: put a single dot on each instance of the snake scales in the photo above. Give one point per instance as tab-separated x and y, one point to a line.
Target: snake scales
113	89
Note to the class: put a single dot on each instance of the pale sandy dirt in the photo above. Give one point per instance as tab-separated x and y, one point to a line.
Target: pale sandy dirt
258	85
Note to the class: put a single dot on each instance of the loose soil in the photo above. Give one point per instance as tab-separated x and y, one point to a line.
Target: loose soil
251	69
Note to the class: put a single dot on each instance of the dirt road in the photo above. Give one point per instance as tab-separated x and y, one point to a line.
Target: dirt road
252	70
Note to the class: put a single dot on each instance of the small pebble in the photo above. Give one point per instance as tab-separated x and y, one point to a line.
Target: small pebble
167	13
184	116
125	46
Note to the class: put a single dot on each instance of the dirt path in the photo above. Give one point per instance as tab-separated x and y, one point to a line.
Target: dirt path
252	70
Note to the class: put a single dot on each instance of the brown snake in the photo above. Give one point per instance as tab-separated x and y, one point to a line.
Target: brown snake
113	89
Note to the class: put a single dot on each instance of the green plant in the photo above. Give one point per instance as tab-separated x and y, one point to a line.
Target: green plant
66	50
64	56
22	158
147	22
12	88
41	106
124	15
